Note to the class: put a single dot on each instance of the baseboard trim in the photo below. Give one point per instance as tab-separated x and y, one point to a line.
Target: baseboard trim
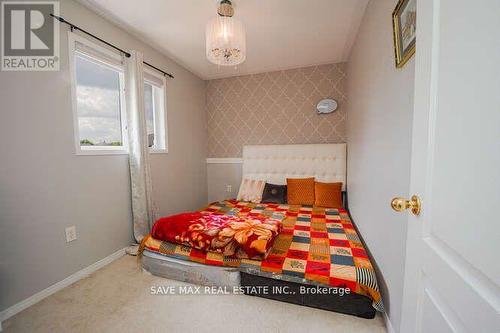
224	160
388	324
16	308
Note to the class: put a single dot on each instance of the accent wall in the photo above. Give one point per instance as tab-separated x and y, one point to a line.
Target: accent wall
270	108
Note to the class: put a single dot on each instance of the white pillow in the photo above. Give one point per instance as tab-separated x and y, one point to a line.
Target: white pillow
251	190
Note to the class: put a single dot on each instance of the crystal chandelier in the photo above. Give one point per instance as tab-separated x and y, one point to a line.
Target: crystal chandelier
225	37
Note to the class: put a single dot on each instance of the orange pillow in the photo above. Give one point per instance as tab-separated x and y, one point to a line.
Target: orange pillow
328	195
300	191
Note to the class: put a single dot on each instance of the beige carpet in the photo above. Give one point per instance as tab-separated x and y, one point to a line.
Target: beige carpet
117	299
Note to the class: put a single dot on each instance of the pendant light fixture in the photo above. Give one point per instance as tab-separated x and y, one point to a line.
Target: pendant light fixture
225	37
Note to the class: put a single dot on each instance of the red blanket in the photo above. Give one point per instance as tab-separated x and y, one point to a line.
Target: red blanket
249	237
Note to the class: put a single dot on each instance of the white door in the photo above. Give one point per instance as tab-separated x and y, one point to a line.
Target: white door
452	277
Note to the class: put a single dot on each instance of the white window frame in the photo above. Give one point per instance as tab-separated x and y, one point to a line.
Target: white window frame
96	150
159	100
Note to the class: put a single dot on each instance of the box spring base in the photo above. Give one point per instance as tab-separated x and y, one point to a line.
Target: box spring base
181	270
352	304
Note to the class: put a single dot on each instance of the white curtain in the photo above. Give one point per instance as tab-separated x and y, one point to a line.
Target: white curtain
143	208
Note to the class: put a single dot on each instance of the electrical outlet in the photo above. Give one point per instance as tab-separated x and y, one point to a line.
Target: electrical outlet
229	188
70	234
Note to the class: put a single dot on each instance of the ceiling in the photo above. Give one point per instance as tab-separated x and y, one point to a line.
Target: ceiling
281	34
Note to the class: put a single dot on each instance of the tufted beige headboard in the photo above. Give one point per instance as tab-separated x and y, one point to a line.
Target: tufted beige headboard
276	163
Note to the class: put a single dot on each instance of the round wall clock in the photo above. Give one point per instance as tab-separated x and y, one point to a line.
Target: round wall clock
327	105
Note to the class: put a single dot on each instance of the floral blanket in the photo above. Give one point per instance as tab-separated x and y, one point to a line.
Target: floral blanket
315	246
246	237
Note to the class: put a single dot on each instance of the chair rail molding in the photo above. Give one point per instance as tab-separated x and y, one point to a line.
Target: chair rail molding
224	160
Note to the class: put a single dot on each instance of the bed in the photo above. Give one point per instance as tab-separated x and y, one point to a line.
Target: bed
316	257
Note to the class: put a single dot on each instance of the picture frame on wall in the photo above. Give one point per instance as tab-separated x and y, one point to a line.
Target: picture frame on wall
404	22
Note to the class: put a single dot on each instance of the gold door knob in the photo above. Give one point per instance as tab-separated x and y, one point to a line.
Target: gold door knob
401	204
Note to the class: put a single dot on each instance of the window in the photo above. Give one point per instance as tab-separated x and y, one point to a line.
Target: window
99	101
154	107
98	98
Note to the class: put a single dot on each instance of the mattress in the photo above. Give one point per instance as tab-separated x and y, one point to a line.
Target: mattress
317	246
190	272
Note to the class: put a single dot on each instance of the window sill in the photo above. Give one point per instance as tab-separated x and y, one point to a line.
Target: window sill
90	152
87	152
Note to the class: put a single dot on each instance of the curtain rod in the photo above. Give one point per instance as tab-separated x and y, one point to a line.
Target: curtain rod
74	27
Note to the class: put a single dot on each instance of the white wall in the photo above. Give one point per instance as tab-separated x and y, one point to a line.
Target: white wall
219	175
379	142
44	187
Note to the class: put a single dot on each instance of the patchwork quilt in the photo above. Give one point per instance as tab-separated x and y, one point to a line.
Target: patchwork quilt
248	237
315	246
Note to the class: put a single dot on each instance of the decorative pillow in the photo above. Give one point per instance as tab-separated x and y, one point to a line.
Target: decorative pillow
274	193
328	195
251	190
300	191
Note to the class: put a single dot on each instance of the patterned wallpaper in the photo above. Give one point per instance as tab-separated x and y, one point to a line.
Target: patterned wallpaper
275	108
